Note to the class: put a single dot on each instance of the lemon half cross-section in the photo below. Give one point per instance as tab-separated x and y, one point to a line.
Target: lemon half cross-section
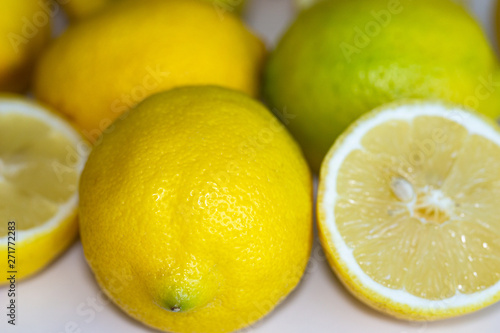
409	210
41	158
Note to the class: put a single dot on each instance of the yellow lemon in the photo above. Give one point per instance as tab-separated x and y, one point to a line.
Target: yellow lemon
195	211
408	210
342	58
81	9
41	158
25	28
107	64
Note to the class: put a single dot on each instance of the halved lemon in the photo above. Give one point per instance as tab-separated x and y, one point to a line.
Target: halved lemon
409	210
41	158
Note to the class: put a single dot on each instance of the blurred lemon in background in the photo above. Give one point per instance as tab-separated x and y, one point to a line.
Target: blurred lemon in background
207	224
497	21
25	28
301	4
342	58
107	64
41	158
80	9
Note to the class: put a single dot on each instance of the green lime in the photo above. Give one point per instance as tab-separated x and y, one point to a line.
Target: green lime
342	58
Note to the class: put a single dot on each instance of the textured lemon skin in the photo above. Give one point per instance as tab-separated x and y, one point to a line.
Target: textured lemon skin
198	196
82	9
105	65
426	49
348	279
20	45
35	253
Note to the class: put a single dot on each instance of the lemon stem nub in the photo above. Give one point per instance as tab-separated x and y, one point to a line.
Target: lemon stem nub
175	309
402	189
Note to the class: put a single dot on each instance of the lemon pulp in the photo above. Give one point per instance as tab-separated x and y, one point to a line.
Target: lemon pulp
407	213
39	170
423	215
35	178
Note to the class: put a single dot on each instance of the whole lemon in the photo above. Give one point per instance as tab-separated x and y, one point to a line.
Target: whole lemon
342	58
107	64
195	211
25	28
81	9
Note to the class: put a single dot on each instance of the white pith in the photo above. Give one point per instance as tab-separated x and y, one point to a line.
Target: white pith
351	142
15	106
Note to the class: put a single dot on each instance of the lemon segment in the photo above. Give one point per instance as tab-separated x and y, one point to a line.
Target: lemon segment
39	172
408	212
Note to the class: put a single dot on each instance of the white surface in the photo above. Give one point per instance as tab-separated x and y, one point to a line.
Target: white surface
65	298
